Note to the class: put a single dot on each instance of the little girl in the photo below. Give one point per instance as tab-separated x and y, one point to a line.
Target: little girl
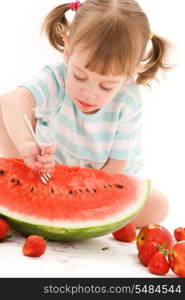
86	110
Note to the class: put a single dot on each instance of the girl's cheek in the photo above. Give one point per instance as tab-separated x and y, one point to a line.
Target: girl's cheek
70	87
73	92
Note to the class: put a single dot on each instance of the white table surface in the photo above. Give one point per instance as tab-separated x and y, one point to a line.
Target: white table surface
74	259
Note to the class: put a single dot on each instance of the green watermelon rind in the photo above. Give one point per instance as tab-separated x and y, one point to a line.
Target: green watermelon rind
72	234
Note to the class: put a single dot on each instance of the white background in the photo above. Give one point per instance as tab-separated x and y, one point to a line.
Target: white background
24	51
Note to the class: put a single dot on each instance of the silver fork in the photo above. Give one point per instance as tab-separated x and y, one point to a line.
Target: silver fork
45	177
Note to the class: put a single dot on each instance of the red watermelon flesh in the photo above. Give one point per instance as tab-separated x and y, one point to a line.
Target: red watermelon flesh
77	203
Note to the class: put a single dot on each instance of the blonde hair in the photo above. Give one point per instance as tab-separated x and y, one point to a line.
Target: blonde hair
116	32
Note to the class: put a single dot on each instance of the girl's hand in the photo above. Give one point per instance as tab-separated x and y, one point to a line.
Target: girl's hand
44	162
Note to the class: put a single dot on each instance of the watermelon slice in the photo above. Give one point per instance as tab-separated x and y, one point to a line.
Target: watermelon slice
77	203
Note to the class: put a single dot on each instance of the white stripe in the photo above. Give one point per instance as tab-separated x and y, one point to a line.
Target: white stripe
128	127
125	144
80	140
114	107
90	127
129	113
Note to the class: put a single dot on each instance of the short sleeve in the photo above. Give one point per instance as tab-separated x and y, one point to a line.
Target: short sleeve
47	88
127	139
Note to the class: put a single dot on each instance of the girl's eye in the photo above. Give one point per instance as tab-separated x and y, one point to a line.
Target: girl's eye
105	89
83	79
78	78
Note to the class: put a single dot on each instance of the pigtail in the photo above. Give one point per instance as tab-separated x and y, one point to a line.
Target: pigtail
56	26
155	60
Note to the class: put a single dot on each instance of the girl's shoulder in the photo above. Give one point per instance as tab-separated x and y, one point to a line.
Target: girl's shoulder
130	96
58	68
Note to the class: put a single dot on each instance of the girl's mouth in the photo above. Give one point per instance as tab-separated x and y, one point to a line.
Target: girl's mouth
84	103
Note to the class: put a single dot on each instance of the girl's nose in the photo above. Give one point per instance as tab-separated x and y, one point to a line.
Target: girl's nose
88	94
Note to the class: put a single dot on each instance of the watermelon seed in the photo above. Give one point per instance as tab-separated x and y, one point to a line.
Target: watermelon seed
17	181
81	191
107	186
1	172
32	190
52	190
72	192
120	186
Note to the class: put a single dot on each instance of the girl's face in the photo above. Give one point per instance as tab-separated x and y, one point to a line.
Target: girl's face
89	90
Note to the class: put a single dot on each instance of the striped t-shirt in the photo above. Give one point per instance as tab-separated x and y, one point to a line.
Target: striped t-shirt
86	140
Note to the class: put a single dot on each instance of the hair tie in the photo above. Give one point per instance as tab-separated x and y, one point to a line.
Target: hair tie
151	35
74	5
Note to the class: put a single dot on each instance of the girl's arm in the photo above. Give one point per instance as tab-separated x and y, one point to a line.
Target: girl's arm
14	105
113	166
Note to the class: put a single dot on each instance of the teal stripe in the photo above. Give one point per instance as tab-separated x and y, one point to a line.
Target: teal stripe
50	72
95	136
135	119
59	89
37	95
133	103
105	115
41	137
98	135
61	69
45	89
60	156
62	73
83	151
127	135
119	98
125	154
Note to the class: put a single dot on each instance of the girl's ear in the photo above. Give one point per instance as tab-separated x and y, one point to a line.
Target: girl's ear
66	47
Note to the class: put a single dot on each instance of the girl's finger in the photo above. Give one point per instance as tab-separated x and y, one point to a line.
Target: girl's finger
47	168
50	149
36	165
45	159
47	149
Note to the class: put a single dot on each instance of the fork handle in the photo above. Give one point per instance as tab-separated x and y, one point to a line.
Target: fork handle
32	132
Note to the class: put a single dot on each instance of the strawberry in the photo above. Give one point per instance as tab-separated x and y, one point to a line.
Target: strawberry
126	233
5	230
147	250
158	264
179	234
176	259
34	246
